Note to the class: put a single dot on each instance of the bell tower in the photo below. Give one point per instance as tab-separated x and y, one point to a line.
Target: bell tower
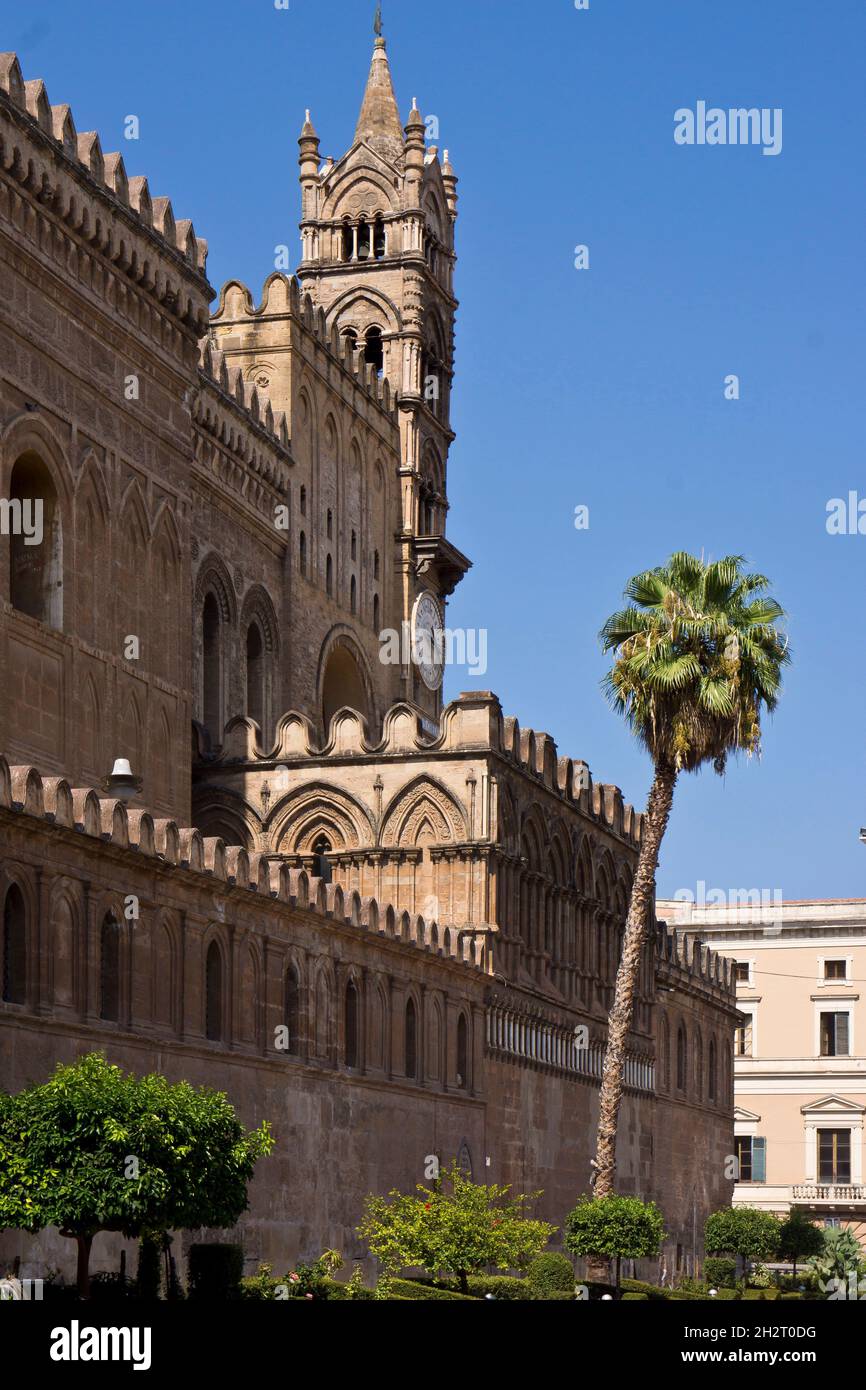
377	233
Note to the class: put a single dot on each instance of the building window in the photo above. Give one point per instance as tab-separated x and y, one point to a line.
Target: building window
354	546
411	1040
375	612
211	668
712	1083
348	241
303	501
834	1155
214	993
375	564
302	553
834	1035
751	1158
351	1051
329	524
321	862
36	571
665	1058
350	338
681	1059
835	969
256	675
109	971
743	1038
363	240
379	241
374	353
329	577
292	1011
744	972
462	1052
353	595
14	947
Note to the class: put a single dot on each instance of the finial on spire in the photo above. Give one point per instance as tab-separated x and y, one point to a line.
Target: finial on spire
377	22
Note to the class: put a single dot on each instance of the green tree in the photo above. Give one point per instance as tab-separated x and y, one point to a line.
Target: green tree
96	1149
455	1227
800	1238
839	1262
697	657
614	1227
743	1231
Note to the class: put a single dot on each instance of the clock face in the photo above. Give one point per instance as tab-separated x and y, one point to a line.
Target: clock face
428	641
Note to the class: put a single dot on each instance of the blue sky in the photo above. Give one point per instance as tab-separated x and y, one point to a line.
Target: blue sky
601	387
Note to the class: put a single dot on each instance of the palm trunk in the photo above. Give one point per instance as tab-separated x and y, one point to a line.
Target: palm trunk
642	899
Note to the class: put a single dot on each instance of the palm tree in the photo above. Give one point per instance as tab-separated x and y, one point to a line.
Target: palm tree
697	655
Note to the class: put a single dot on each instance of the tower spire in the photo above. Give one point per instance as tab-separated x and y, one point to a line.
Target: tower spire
379	122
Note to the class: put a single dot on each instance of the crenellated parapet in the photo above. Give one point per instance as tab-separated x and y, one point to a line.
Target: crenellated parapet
239	324
472	724
79	207
52	802
688	964
239	435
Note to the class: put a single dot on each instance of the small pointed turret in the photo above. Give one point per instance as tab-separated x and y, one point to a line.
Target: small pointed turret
379	121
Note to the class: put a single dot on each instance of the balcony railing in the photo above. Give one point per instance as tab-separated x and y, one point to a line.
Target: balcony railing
830	1192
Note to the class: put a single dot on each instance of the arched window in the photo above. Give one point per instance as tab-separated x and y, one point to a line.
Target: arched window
213	1011
321	862
256	675
353	595
211	668
712	1083
351	1051
462	1052
350	338
681	1059
329	524
375	564
354	546
375	612
348	241
292	1011
373	350
379	240
363	240
302	553
303	501
329	577
411	1040
109	971
14	947
36	543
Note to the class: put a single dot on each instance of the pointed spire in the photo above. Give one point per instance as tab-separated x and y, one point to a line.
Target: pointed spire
379	121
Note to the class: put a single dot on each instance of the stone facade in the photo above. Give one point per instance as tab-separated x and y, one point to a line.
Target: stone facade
234	509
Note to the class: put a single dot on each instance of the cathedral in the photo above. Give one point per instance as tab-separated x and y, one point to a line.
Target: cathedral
237	844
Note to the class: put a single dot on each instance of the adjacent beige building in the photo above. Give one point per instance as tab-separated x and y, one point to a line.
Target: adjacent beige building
800	1058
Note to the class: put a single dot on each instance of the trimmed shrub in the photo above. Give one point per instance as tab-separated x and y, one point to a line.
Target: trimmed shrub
500	1285
651	1291
406	1288
107	1286
551	1273
215	1271
636	1297
719	1272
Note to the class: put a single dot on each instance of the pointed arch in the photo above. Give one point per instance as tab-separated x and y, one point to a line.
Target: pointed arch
424	808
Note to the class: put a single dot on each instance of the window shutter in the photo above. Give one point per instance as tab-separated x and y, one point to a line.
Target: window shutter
842	1035
759	1160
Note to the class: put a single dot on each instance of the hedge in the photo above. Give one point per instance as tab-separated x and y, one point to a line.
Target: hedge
405	1288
